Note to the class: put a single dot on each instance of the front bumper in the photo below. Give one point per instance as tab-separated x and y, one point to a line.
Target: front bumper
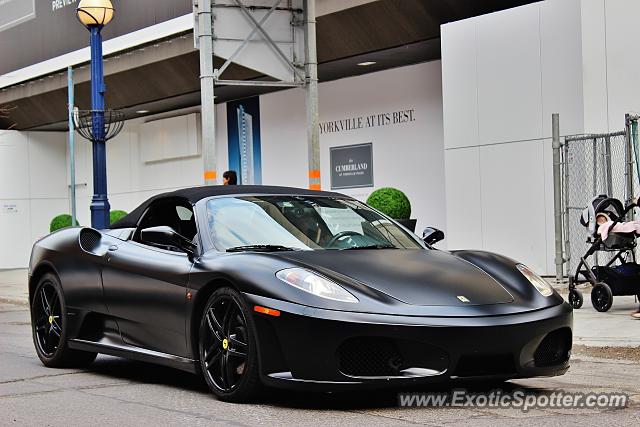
313	348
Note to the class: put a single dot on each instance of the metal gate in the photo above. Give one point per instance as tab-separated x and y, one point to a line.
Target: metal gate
591	165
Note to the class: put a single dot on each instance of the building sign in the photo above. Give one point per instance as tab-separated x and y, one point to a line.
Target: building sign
14	12
351	166
9	208
35	31
389	118
243	133
59	4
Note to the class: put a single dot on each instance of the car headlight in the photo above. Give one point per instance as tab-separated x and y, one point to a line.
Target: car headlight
315	284
538	282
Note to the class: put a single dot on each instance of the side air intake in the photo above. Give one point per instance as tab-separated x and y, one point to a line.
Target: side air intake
89	240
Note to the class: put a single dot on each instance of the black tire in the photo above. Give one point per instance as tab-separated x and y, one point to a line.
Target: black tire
49	327
227	347
601	297
575	299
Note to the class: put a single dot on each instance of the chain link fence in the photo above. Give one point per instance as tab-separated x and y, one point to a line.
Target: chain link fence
591	165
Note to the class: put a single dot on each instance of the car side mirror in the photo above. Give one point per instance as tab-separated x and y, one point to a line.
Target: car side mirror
431	235
167	236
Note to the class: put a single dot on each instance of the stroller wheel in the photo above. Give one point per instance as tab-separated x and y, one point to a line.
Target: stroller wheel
575	299
601	297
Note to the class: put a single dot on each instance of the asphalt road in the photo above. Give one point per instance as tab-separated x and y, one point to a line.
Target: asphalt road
119	392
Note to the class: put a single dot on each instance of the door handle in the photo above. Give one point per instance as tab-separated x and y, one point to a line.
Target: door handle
113	248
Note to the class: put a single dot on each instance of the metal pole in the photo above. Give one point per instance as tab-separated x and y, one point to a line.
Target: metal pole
594	162
628	172
100	203
566	201
72	147
607	162
311	69
634	142
207	81
557	195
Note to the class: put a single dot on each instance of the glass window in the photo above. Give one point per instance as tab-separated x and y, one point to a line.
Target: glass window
184	213
301	222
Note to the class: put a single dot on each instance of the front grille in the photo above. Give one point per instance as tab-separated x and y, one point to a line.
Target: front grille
369	357
477	365
89	239
554	349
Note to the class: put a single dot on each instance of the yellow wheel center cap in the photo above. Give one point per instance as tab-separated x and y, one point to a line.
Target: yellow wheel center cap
225	343
50	319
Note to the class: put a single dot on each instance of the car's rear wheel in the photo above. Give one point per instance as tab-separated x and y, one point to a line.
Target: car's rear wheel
227	349
49	327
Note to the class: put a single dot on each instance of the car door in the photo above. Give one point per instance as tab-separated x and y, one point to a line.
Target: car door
145	286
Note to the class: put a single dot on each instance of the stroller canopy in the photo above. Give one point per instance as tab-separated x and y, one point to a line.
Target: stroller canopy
601	204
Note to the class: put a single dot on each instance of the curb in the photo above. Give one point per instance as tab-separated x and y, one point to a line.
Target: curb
15	301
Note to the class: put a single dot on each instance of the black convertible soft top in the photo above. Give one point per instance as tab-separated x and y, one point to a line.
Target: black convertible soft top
195	194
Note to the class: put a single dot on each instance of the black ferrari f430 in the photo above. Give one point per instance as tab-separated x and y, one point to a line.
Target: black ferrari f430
283	287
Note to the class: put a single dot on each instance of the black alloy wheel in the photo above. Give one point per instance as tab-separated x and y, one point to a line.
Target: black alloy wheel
49	327
227	349
48	319
601	297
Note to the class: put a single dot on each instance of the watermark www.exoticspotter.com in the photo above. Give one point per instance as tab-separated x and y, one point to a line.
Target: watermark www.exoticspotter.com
518	398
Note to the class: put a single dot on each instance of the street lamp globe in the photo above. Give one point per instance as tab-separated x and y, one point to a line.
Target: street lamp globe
94	12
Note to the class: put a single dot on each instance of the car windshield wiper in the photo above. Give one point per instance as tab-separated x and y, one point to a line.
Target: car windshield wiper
377	246
262	248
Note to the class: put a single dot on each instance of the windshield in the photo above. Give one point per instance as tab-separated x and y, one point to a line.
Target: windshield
301	222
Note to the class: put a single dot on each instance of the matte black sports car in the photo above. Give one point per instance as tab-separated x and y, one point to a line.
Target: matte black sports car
293	288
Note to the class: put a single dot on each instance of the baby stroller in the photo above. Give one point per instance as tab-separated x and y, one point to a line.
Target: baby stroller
621	274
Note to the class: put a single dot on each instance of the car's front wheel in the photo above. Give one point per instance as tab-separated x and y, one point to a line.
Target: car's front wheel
49	327
227	347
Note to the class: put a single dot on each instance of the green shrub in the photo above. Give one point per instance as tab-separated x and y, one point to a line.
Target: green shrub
61	221
390	201
116	215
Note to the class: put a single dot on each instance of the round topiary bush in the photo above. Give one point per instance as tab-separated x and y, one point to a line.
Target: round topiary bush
390	201
61	221
116	215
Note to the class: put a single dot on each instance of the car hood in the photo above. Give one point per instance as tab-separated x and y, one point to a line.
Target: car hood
416	277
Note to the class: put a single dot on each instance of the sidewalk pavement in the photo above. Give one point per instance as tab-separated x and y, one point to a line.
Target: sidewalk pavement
13	286
614	328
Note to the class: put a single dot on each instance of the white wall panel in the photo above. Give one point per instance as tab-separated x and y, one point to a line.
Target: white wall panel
33	190
464	198
84	167
14	165
15	230
460	84
513	201
547	157
623	61
509	75
47	157
561	65
284	138
170	138
119	163
42	212
594	66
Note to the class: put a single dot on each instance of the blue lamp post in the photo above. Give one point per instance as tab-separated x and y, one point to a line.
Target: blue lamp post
94	15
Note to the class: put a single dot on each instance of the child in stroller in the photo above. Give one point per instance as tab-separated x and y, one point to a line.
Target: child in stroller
608	233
